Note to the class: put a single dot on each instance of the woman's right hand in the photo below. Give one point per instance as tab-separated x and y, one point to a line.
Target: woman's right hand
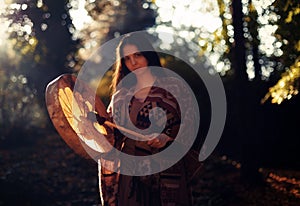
158	140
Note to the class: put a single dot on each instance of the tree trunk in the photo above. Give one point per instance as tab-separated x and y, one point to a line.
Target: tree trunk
245	101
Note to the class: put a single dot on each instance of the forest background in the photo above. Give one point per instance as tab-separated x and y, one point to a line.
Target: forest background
253	45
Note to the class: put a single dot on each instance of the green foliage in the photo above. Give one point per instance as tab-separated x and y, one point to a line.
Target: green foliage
287	86
105	20
288	35
20	111
34	43
288	30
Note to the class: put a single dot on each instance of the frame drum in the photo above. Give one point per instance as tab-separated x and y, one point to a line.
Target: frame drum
68	112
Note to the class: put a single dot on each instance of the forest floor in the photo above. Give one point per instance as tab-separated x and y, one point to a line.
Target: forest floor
47	172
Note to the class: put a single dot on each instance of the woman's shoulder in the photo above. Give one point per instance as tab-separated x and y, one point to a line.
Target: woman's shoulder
117	98
120	94
174	85
168	79
173	80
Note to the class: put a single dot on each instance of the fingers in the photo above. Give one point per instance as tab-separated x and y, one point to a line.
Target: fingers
152	136
153	142
159	141
156	144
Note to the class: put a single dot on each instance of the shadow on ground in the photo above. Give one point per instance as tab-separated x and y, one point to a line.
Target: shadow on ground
47	172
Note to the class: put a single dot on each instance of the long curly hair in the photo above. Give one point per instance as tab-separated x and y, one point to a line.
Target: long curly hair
121	70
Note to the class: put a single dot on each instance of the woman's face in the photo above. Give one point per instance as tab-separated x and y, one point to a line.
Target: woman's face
133	58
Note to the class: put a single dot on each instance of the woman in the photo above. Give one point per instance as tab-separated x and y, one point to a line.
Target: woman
134	79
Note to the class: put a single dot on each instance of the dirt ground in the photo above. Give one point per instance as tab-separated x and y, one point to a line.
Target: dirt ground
47	172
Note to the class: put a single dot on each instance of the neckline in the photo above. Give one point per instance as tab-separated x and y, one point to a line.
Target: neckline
139	100
150	88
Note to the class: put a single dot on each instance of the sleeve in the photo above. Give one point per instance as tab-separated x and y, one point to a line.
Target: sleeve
187	109
189	125
119	137
109	180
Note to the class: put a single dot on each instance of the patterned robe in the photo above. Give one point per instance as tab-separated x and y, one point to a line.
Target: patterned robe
165	188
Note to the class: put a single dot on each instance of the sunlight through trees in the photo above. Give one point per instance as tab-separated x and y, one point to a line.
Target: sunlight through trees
54	37
26	54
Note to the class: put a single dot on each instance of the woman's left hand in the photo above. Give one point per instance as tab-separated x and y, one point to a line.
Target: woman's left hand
158	140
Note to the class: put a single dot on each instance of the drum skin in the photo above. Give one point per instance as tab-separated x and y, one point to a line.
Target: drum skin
60	106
